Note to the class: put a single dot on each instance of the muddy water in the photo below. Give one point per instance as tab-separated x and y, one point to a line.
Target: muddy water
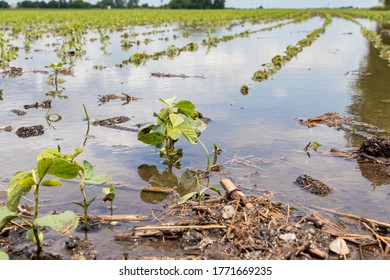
261	140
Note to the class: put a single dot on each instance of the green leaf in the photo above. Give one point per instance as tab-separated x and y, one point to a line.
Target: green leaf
92	199
109	195
63	169
43	166
6	216
186	108
197	124
174	132
30	236
176	120
51	183
16	190
189	132
3	256
151	138
49	153
168	101
98	179
186	197
63	223
77	151
88	169
79	204
163	116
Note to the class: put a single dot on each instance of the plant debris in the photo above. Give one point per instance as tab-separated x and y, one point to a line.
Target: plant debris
314	185
30	131
253	228
378	147
46	104
334	119
113	123
13	71
6	128
167	75
19	112
112	96
358	73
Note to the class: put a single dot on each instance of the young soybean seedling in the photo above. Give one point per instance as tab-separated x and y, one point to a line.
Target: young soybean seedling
109	195
49	162
174	121
86	177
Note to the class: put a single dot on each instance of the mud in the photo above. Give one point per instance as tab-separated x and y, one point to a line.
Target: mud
30	131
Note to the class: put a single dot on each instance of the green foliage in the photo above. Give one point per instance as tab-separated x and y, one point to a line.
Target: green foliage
173	122
291	51
49	163
87	176
3	256
8	52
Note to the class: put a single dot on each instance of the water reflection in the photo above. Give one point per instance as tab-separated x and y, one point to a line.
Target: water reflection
370	105
164	184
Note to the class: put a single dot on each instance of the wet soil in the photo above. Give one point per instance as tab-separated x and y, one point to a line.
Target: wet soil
210	228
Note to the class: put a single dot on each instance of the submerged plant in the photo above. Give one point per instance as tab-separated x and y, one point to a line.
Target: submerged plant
174	121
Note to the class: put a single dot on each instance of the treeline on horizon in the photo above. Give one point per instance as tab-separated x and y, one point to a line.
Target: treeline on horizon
115	4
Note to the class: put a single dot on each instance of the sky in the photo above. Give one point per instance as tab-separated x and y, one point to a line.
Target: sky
272	3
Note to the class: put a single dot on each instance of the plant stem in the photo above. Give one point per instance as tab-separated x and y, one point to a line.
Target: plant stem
39	252
88	127
207	153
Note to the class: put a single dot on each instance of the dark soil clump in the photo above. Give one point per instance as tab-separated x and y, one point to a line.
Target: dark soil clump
25	132
377	147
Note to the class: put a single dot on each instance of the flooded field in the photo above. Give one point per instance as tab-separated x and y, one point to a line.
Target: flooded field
258	131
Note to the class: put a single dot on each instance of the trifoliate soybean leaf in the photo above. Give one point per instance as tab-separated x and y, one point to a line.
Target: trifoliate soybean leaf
51	183
98	180
6	216
16	190
189	132
160	128
174	132
176	120
63	223
168	101
77	151
197	124
49	153
3	256
44	165
88	169
162	117
63	169
186	108
30	236
153	138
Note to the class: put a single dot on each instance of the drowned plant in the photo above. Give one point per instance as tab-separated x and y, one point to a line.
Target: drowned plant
173	122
